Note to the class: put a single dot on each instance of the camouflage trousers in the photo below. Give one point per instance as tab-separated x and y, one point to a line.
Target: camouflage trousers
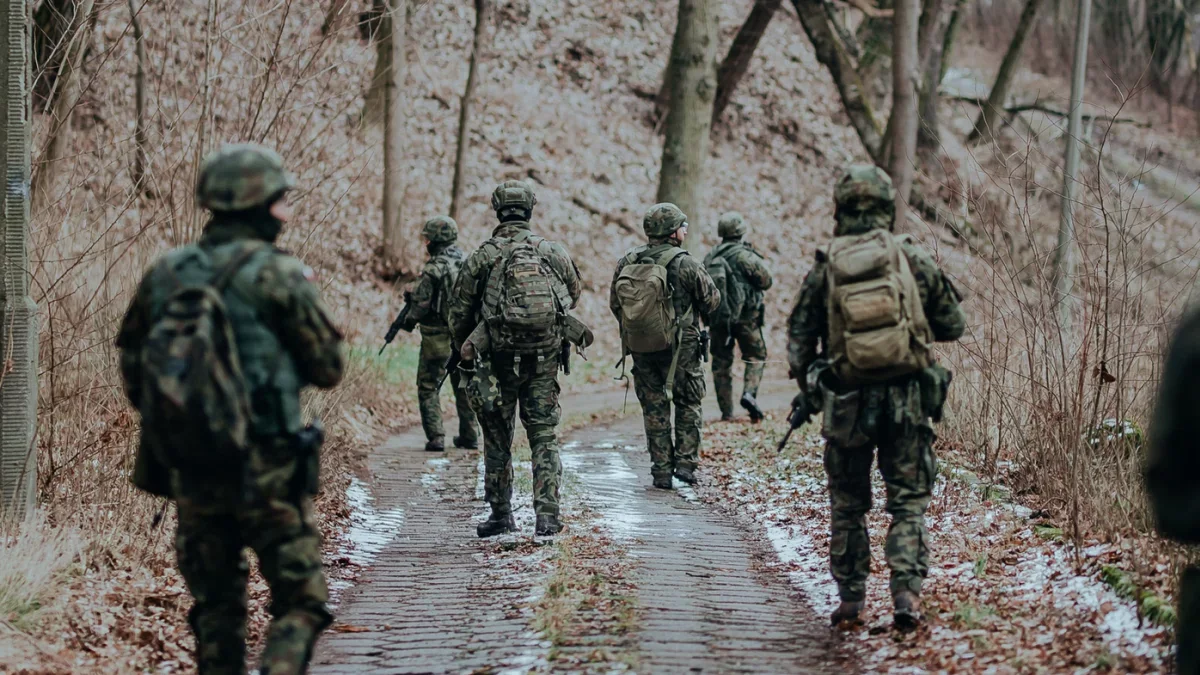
907	464
650	383
210	540
533	386
435	350
749	339
1187	628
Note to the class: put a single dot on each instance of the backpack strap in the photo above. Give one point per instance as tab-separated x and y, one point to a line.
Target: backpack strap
231	268
665	259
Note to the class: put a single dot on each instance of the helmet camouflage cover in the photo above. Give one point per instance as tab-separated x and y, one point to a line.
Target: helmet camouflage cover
513	194
864	186
440	230
662	220
731	225
241	176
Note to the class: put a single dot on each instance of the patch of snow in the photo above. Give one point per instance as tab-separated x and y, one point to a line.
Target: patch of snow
370	530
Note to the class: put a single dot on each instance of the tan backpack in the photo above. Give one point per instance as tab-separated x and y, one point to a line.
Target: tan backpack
877	326
647	309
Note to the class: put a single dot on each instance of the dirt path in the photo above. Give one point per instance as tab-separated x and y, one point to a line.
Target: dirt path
437	599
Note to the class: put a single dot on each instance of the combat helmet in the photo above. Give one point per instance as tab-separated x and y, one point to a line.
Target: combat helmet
241	176
731	225
662	220
513	196
863	187
440	230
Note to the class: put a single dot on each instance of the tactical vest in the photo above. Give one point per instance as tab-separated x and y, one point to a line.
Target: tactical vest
877	326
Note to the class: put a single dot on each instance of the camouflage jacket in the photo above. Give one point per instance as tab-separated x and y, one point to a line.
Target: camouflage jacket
430	299
752	269
285	339
808	324
466	305
695	295
1172	467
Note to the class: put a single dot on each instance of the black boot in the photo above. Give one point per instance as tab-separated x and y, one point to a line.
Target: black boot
751	406
496	524
908	611
847	613
466	443
663	483
686	475
436	444
548	526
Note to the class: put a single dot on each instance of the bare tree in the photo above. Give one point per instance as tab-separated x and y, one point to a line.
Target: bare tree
392	60
692	74
948	40
929	55
139	88
832	54
985	124
741	51
464	110
333	16
380	30
905	64
63	105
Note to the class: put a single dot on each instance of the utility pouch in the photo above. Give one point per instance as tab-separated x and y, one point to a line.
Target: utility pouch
482	389
935	386
307	444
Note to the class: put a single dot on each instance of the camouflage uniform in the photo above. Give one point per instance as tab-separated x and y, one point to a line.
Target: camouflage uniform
893	417
747	332
531	383
1173	475
428	308
265	505
694	296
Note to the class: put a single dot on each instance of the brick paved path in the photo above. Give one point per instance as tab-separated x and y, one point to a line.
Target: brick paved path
437	600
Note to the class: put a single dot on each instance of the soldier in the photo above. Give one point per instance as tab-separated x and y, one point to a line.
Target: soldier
506	318
878	383
739	319
1173	476
659	294
429	306
283	340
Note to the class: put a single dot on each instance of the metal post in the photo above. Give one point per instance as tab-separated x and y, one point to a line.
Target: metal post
1064	264
18	331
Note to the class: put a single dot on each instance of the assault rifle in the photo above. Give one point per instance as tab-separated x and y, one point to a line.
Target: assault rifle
801	413
398	324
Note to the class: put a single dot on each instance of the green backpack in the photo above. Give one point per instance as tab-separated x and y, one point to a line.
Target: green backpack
194	396
451	262
648	321
524	301
729	282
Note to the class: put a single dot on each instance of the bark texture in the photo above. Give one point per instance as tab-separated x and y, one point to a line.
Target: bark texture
464	110
140	141
692	74
391	71
905	64
989	115
741	52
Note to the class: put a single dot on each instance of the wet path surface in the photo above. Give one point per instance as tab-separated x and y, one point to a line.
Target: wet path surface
437	599
706	600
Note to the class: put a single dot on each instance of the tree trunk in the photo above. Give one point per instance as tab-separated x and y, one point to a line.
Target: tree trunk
875	39
904	103
64	101
464	110
741	51
692	73
951	36
392	57
1064	258
985	124
333	17
929	57
139	88
381	32
833	56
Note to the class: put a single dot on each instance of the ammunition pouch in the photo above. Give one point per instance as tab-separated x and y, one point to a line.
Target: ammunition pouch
935	386
841	417
577	332
482	387
307	446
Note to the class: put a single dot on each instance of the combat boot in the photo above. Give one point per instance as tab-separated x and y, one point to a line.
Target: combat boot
436	444
726	417
663	483
496	524
466	443
847	613
908	611
548	526
752	407
686	475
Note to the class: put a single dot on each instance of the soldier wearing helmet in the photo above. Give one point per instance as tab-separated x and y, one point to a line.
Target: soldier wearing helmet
872	398
745	276
504	377
285	341
671	375
428	305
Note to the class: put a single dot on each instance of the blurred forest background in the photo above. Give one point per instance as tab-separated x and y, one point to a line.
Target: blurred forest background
394	111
